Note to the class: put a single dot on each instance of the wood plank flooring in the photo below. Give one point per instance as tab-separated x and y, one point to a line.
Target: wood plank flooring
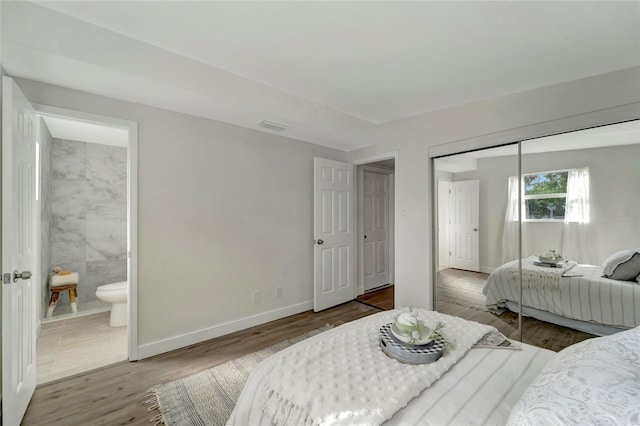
113	395
535	332
382	299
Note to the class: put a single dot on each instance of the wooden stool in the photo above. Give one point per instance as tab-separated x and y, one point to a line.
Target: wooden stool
55	293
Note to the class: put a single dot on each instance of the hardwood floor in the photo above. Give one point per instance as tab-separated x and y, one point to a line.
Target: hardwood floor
535	332
382	299
113	395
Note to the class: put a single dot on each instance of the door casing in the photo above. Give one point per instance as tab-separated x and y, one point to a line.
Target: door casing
132	206
393	217
360	224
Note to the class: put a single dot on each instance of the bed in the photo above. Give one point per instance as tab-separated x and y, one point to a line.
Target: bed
484	386
575	296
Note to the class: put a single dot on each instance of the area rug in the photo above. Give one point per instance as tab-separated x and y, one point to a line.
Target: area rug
464	291
208	397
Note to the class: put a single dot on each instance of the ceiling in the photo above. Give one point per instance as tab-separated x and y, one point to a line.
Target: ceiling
84	131
330	71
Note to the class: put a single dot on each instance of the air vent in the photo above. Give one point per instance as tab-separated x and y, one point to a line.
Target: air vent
272	125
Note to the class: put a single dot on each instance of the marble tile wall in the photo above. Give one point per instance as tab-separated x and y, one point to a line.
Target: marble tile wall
45	214
89	213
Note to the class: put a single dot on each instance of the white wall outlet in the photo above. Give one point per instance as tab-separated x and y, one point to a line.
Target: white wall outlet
278	292
256	297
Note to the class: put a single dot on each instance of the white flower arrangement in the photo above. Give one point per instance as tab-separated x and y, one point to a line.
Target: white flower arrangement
411	326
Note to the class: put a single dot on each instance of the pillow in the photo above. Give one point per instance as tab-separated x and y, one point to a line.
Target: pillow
623	265
596	381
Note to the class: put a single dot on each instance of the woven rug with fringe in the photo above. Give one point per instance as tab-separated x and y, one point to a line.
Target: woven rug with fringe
464	291
208	397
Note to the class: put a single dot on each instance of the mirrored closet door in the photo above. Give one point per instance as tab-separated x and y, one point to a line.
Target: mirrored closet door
581	205
545	238
470	198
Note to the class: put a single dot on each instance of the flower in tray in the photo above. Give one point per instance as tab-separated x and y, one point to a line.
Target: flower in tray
416	332
408	324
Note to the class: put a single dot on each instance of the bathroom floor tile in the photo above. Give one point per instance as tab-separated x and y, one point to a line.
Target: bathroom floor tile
74	345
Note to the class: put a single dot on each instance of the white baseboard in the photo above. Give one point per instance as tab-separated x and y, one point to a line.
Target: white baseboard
487	269
177	342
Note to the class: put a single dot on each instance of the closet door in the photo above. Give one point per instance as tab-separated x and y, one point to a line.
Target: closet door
581	203
459	286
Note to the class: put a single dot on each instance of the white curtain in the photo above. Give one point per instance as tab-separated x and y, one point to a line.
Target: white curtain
510	232
578	236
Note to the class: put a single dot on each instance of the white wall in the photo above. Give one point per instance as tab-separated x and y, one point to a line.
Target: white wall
412	138
223	211
614	174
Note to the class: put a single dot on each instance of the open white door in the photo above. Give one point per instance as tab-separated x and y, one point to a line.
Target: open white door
376	230
463	230
18	254
334	233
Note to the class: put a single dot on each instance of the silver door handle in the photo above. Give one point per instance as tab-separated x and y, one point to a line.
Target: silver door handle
319	242
25	275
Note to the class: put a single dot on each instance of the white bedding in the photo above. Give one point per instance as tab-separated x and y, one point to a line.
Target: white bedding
594	382
480	389
583	295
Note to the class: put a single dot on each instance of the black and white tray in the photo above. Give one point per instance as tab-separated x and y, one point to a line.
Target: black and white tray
410	354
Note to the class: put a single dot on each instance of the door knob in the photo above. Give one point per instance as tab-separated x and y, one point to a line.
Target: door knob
475	229
25	275
320	242
365	237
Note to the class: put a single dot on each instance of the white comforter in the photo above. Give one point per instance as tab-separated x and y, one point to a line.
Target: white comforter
342	377
595	382
582	294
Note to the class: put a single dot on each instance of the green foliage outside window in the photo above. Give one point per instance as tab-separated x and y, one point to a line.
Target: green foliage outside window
554	186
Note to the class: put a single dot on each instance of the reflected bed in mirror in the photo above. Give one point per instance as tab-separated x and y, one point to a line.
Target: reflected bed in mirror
574	295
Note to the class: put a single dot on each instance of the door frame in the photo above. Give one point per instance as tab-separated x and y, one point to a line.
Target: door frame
439	238
360	287
393	217
132	206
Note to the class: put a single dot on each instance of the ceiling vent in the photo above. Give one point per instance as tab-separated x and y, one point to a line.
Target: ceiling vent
272	125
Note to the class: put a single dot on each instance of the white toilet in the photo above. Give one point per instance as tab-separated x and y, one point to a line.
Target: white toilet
117	294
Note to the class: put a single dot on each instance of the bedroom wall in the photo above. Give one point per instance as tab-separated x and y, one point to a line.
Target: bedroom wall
614	175
223	211
252	234
412	137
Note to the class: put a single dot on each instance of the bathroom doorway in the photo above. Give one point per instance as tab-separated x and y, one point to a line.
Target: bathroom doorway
87	227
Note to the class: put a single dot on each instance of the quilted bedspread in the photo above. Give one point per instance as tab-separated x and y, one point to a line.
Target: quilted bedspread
342	377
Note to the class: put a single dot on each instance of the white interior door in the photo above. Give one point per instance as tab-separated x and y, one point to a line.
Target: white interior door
463	230
18	252
334	233
376	230
443	224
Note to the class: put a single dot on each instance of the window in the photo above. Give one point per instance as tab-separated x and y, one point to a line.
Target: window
545	196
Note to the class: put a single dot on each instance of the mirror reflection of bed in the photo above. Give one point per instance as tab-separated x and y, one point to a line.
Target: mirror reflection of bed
580	199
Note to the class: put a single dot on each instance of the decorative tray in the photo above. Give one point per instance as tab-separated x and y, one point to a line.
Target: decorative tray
410	354
557	264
